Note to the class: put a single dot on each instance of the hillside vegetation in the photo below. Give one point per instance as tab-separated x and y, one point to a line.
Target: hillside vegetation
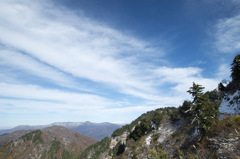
196	129
52	142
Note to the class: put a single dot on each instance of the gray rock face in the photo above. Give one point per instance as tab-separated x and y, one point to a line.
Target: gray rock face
231	103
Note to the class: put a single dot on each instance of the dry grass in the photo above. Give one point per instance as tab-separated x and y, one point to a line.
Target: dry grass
226	126
229	127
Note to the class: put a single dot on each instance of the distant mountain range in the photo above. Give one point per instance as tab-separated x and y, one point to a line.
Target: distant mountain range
50	142
94	130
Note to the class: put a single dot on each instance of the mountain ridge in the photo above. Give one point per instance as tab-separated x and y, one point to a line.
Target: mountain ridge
86	128
50	142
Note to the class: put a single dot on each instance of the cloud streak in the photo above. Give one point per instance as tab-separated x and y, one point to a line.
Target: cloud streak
33	92
85	49
82	55
13	59
227	35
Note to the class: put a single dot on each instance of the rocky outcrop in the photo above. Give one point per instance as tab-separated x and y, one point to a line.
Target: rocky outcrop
231	103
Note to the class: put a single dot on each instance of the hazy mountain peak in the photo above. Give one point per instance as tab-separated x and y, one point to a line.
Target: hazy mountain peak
67	124
94	130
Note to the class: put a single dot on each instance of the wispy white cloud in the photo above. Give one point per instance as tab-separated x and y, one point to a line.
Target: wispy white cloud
227	35
223	71
182	77
18	61
64	48
83	48
33	92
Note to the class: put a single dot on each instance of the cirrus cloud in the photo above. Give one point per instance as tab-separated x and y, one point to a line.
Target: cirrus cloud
83	66
228	35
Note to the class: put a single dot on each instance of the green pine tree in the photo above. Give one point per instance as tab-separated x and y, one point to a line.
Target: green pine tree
203	110
196	90
235	69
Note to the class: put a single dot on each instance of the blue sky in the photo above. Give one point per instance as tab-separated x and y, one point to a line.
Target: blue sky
109	60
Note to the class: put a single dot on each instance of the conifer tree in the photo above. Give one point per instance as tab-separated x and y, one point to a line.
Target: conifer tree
235	69
204	112
196	90
221	87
